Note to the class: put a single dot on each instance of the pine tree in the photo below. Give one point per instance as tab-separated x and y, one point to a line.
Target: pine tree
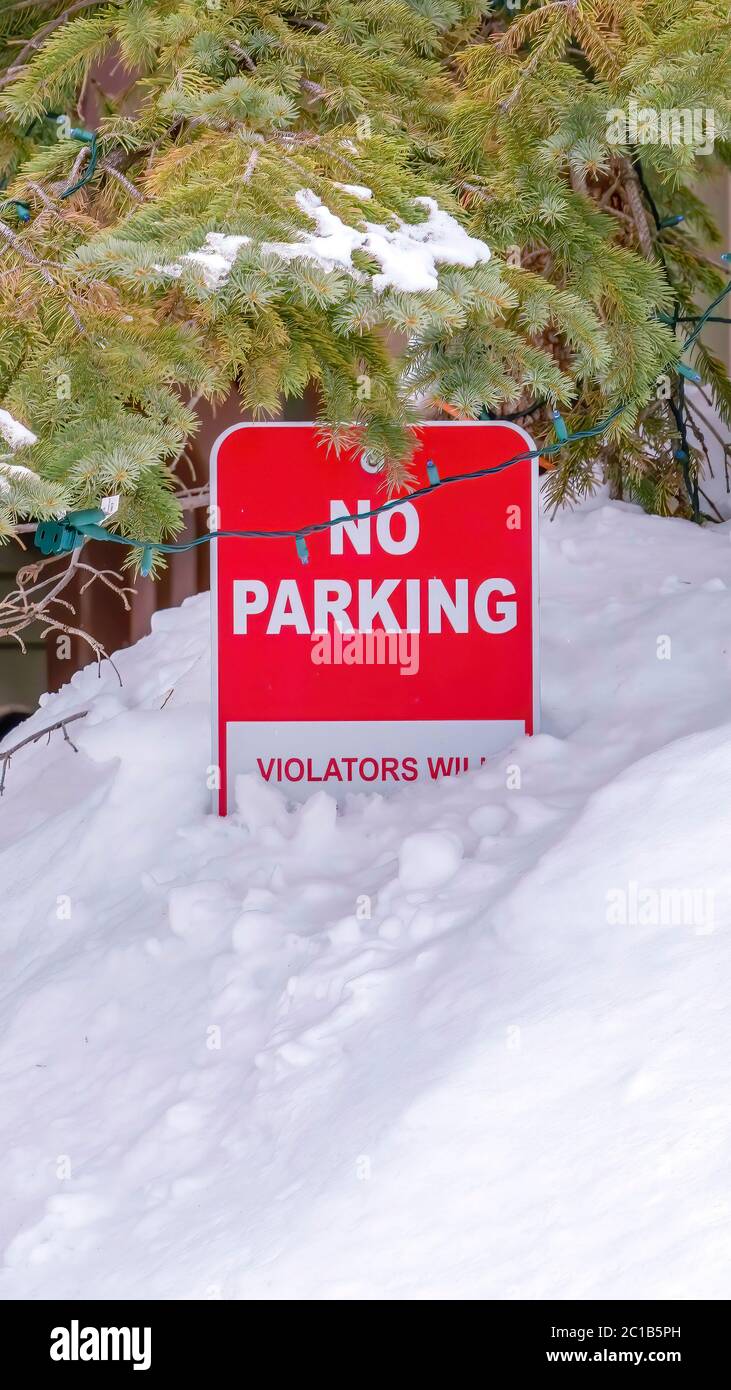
581	131
238	219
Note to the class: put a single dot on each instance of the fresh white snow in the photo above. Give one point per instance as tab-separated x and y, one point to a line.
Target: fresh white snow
17	436
470	1040
215	258
356	190
8	471
14	434
409	253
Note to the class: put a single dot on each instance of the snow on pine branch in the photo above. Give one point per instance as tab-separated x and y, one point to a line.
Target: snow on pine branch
408	253
9	471
15	434
356	190
215	258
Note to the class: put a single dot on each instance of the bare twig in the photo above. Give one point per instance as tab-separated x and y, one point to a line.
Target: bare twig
73	175
28	576
43	197
26	253
316	25
711	503
37	598
110	579
26	5
623	216
577	177
251	165
709	426
482	193
126	183
240	52
190	498
313	89
609	192
34	738
637	208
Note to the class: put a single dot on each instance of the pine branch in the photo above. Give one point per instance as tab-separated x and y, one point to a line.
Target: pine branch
35	44
195	268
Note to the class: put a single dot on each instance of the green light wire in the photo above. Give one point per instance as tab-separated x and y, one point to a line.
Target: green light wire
93	531
89	137
704	317
96	532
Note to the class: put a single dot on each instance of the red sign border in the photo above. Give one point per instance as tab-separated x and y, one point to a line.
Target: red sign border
520	433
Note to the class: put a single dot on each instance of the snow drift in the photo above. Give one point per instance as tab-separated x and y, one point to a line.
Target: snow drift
470	1040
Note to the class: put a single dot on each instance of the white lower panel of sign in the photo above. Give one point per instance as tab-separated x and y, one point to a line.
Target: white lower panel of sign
343	756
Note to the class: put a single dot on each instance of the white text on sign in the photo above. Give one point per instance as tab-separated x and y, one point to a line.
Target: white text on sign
431	605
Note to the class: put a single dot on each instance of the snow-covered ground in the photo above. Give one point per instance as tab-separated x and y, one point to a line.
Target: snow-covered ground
222	1078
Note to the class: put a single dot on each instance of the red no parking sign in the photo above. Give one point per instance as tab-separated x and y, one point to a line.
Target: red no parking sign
404	649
